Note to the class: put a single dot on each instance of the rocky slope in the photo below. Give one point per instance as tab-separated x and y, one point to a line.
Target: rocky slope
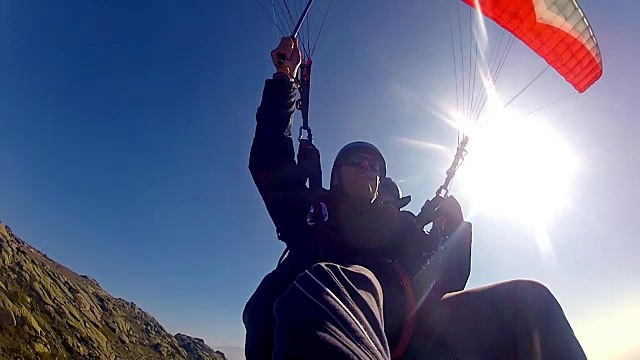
49	312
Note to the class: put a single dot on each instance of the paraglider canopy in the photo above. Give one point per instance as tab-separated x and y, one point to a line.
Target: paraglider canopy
557	30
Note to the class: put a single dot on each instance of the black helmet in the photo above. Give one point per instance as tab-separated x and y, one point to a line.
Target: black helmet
359	147
389	188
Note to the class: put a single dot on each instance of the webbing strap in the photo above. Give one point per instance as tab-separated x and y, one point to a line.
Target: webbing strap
410	322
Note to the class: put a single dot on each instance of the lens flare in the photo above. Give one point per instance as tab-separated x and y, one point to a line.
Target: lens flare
519	169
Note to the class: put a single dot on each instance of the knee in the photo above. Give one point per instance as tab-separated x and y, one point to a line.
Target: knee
351	279
356	275
531	292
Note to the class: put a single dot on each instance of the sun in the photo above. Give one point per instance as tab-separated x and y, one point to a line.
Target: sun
518	168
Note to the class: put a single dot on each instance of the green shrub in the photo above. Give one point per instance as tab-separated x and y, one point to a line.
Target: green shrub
18	296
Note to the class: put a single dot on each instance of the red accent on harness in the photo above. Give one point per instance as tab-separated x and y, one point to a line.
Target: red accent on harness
410	322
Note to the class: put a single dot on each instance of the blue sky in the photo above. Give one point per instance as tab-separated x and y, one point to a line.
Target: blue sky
125	130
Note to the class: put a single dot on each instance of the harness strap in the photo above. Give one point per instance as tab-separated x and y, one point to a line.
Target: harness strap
410	322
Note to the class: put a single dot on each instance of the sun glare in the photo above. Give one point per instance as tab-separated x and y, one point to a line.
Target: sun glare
517	168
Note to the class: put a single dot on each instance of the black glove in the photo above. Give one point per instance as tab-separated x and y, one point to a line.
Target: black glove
446	211
428	211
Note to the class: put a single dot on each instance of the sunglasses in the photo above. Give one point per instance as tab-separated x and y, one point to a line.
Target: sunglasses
359	160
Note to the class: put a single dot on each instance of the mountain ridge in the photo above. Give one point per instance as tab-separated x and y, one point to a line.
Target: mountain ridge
47	311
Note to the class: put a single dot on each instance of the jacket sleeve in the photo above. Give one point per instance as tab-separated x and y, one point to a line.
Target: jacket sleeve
272	159
448	269
456	255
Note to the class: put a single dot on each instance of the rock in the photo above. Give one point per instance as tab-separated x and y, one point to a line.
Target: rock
42	294
7	318
5	256
197	349
5	232
29	320
113	327
160	349
77	347
6	303
41	349
50	309
88	308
